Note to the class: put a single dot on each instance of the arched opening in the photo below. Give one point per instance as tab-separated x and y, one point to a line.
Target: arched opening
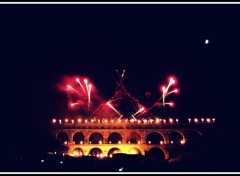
154	138
95	152
133	138
62	137
114	138
175	138
156	153
114	151
96	138
78	152
78	138
134	151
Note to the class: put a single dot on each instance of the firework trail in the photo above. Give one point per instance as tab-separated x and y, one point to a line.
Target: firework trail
113	108
70	87
78	80
89	94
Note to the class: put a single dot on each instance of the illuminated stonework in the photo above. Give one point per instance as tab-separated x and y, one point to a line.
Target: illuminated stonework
103	138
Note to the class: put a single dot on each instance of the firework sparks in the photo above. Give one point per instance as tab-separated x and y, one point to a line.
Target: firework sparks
113	108
73	104
70	87
140	110
78	80
166	93
86	83
89	94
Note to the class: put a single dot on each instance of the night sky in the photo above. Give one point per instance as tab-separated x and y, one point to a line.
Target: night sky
41	43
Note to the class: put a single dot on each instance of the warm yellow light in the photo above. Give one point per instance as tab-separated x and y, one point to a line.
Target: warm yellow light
139	142
119	142
66	120
106	121
157	120
208	120
54	120
86	120
92	120
145	120
171	120
112	121
132	120
182	142
196	120
110	156
81	142
79	120
119	120
100	142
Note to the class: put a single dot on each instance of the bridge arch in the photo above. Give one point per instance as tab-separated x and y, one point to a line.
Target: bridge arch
62	137
114	138
78	152
134	150
96	138
95	151
154	138
157	153
78	138
133	138
176	137
114	151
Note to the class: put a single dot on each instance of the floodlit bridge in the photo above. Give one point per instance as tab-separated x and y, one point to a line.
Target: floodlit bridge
104	137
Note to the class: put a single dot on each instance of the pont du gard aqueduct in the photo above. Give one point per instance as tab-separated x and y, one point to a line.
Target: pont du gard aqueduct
104	137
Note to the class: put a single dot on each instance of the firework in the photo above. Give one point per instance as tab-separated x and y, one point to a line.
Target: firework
86	83
89	94
140	110
73	104
166	93
113	108
80	85
70	87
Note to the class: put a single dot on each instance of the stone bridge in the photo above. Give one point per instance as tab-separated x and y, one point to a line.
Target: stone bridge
106	138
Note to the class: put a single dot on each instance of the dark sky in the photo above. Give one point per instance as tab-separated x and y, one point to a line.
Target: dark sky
41	43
